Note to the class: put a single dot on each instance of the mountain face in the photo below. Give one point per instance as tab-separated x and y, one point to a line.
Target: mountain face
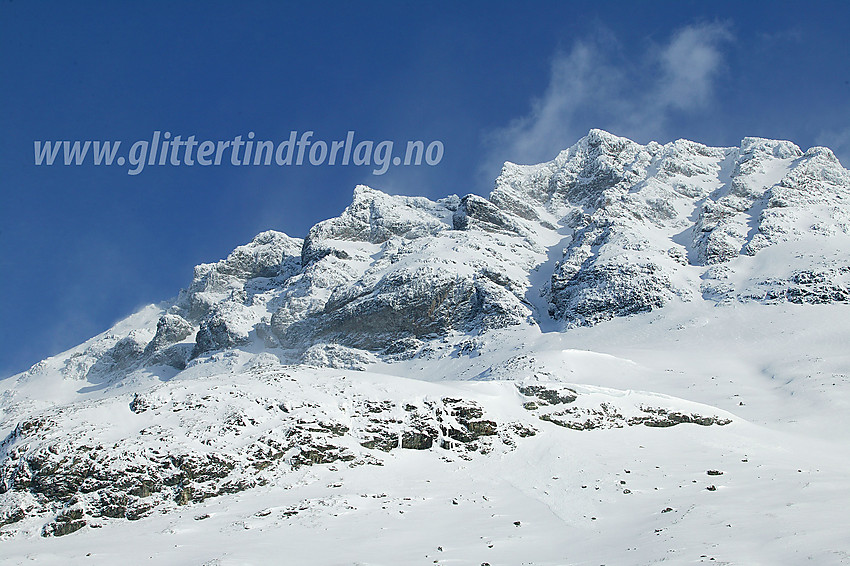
615	228
608	228
292	359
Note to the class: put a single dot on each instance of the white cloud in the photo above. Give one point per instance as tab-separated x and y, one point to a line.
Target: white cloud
691	63
590	87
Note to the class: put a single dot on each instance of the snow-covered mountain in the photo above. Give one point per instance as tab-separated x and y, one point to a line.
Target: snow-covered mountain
631	353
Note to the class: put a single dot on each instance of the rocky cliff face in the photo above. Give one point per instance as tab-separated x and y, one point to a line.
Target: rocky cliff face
613	227
608	228
643	225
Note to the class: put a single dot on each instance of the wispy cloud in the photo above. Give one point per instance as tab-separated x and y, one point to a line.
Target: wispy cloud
691	63
577	79
593	85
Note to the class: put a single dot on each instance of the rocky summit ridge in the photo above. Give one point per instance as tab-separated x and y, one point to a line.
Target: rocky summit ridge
608	228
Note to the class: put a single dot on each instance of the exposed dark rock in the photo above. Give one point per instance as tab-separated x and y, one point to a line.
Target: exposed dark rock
170	329
547	396
659	417
217	332
606	416
66	523
477	212
416	440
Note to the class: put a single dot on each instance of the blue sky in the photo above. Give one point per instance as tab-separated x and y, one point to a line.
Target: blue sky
82	247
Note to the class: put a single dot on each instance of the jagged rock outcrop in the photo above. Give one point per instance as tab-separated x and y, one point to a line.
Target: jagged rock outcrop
640	221
270	255
170	329
391	269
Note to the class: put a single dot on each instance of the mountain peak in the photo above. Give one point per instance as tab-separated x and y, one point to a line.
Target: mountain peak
777	148
438	341
608	228
596	137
